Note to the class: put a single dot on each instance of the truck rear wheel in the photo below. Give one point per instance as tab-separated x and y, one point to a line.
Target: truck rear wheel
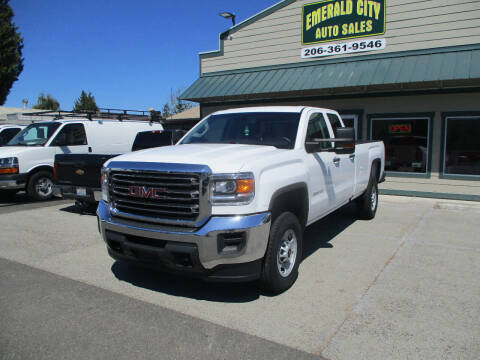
283	256
367	203
40	186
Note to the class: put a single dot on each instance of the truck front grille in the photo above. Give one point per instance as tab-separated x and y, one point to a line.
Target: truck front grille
159	197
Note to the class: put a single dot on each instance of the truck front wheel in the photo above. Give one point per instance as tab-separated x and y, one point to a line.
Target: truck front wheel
283	256
40	186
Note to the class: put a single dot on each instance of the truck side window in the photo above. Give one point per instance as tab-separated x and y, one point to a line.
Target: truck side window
71	135
317	129
334	121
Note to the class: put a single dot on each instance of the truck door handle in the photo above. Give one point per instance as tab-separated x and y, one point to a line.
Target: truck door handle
336	160
89	149
351	156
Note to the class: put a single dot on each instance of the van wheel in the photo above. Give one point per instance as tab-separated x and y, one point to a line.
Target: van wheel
40	186
283	256
367	203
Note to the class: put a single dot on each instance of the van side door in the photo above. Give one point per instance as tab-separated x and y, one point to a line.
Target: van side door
71	139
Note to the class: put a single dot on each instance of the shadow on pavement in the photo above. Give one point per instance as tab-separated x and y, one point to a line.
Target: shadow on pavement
80	210
21	201
317	236
15	199
176	285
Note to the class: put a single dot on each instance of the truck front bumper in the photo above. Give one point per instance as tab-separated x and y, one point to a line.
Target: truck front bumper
226	248
87	194
12	182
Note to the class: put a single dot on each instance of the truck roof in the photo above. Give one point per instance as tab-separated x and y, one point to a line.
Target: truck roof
292	109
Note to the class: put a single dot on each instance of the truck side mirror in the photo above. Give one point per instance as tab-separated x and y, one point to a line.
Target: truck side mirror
345	140
312	147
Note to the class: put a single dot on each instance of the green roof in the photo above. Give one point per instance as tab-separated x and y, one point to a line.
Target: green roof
361	72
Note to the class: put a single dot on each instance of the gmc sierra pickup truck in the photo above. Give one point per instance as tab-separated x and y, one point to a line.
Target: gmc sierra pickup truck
231	199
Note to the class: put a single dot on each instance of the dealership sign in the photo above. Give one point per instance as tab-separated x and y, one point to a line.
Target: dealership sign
331	20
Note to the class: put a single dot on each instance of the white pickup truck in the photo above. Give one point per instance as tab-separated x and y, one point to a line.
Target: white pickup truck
231	200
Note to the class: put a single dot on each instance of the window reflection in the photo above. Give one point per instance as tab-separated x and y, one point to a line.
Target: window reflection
406	143
462	146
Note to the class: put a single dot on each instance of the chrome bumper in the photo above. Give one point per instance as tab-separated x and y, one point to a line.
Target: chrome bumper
70	192
256	227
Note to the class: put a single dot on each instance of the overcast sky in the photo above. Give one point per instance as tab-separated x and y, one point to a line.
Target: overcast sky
129	54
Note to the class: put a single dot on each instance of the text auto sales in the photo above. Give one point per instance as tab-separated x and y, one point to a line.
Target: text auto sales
367	8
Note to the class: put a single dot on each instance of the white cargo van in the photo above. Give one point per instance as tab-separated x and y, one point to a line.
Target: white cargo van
26	162
8	131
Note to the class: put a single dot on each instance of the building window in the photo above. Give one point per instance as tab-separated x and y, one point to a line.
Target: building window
461	150
407	142
351	120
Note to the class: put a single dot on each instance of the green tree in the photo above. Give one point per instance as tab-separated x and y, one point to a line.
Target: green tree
175	105
11	45
86	102
46	102
166	111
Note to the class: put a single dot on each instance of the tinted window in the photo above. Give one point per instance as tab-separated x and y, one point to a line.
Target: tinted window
406	143
35	134
334	121
462	147
8	134
150	139
71	135
317	129
269	129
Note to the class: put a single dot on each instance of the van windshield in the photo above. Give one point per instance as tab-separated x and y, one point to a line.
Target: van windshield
35	134
269	129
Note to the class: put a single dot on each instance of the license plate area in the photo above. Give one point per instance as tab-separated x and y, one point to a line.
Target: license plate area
81	191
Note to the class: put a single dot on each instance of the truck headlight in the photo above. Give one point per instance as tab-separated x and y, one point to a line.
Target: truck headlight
104	181
9	165
233	189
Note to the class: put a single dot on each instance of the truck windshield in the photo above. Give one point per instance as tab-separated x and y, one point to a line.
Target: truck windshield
269	129
34	135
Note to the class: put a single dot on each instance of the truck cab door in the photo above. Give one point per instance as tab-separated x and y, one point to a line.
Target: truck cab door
71	139
321	178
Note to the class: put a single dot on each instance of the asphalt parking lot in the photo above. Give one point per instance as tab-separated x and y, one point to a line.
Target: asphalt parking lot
402	286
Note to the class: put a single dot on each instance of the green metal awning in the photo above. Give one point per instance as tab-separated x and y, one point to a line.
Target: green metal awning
433	70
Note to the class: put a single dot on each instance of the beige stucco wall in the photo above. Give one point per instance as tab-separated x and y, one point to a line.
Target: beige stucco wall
436	103
410	25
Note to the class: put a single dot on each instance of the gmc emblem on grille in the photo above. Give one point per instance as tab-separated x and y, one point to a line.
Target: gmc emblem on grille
147	192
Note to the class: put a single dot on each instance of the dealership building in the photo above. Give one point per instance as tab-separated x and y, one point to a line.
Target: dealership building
405	72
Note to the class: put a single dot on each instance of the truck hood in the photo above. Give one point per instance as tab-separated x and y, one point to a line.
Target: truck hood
221	158
9	151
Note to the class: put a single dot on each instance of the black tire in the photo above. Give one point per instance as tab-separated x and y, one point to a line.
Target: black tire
40	185
367	204
271	278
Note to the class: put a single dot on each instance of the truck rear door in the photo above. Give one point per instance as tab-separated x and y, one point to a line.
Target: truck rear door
331	174
344	165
